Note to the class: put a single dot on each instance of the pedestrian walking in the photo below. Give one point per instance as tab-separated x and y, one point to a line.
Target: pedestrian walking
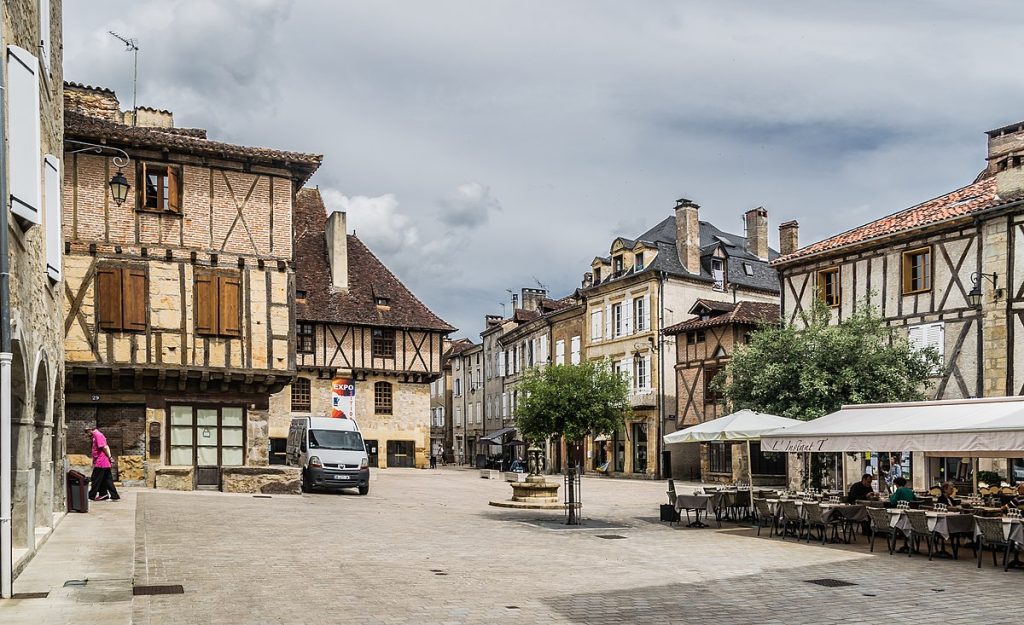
102	479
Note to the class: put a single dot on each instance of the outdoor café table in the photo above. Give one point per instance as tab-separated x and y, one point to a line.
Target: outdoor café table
849	511
1013	529
726	500
946	524
697	503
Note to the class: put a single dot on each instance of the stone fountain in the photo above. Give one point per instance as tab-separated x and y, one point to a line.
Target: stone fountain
536	493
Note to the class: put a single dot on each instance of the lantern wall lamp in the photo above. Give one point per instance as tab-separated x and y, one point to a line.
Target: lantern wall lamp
118	182
974	297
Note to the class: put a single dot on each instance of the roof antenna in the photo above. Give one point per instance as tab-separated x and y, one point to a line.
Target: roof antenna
132	45
502	304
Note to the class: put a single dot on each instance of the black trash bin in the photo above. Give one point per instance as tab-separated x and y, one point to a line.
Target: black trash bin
78	492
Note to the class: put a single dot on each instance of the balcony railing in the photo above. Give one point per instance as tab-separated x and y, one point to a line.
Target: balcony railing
643	398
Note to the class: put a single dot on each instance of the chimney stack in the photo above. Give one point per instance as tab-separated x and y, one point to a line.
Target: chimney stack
515	302
532	298
688	235
789	237
757	232
492	320
1005	160
588	280
337	250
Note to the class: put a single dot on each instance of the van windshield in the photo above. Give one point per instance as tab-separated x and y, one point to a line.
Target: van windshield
335	439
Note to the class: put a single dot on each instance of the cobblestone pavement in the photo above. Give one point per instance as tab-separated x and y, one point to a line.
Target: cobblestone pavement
424	547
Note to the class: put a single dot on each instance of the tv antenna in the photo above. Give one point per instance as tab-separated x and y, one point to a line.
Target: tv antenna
539	283
502	304
131	44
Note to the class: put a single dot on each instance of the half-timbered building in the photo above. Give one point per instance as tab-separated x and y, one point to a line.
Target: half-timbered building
947	273
364	343
704	346
179	298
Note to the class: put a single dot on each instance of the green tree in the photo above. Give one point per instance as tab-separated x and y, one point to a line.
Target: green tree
571	401
804	373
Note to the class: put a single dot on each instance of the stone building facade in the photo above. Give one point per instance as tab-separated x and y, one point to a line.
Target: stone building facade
34	92
467	403
642	287
179	301
704	346
918	267
358	330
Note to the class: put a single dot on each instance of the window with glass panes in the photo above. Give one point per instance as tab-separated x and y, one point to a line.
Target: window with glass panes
206	436
383	344
917	270
305	341
301	395
382	398
766	462
828	286
720	457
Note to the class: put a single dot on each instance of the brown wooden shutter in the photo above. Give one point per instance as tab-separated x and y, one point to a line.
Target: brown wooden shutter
140	185
108	298
230	297
205	306
173	189
133	296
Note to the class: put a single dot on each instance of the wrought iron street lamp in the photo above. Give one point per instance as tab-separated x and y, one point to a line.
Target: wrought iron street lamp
974	297
118	183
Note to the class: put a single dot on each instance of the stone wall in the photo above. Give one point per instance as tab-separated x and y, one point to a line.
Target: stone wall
264	480
409	420
37	321
174	478
994	259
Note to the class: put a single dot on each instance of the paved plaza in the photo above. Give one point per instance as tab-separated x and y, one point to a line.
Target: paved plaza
424	547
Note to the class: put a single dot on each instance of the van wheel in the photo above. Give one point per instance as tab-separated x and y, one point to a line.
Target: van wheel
364	489
306	488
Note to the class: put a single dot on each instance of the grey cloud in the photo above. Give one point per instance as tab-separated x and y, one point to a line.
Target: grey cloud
588	119
468	206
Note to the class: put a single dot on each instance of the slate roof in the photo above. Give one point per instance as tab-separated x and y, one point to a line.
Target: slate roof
367	279
962	202
78	125
746	313
663	238
458	346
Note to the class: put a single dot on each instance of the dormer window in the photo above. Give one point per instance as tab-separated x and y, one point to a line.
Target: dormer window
748	269
638	262
617	265
597	275
718	273
300	295
382	301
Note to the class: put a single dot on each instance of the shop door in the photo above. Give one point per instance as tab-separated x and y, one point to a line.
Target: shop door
207	438
371	453
401	454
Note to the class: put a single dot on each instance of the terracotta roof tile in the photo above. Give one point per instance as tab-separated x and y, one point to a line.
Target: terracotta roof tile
367	278
188	141
748	313
964	201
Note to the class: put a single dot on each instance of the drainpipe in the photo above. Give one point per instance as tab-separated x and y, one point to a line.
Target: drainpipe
661	380
6	546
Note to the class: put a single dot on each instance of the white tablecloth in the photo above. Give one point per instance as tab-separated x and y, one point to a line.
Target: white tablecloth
942	524
693	502
1013	529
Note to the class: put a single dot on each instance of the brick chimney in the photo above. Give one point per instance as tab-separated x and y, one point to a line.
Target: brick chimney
1006	160
789	237
757	232
688	234
337	249
588	280
148	117
492	320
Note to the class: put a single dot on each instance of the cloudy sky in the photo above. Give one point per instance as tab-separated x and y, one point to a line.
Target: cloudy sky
485	145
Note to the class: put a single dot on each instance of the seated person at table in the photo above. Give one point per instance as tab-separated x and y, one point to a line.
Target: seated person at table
948	490
1017	501
861	489
902	492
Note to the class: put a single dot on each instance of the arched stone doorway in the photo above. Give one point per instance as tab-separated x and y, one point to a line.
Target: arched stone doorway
42	445
21	448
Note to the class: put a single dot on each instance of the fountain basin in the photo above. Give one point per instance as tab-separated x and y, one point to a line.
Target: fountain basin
532	495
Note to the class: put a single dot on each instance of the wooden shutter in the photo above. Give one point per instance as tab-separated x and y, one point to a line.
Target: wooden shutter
230	297
647	312
108	298
205	306
23	135
173	189
627	316
133	299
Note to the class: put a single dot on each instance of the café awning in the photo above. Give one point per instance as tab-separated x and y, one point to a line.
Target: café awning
743	425
983	427
494	438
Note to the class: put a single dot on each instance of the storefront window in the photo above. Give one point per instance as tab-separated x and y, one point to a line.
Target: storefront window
207	436
619	444
720	457
766	463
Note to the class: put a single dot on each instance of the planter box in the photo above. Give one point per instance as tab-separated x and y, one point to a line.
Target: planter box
513	476
490	474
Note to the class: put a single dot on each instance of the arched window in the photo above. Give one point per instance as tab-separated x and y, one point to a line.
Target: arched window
382	398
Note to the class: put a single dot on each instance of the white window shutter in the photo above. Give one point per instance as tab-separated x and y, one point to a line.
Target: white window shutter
647	312
935	338
501	364
44	33
54	236
595	326
914	337
544	355
647	368
627	365
23	139
627	314
575	350
608	321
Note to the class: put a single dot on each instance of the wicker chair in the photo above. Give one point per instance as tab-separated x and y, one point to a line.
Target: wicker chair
764	518
991	536
813	519
881	524
791	517
919	531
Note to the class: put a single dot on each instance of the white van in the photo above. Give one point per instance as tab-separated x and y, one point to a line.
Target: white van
330	452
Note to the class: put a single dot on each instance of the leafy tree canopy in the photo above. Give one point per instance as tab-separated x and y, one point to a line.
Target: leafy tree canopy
571	401
809	372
